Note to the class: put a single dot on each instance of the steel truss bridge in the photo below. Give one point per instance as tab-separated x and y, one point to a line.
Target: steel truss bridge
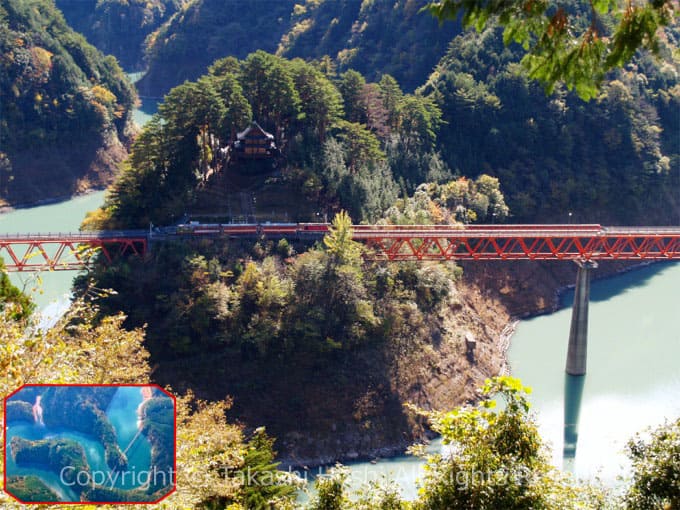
73	251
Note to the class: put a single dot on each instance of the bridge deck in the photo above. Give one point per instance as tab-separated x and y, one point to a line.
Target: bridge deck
71	251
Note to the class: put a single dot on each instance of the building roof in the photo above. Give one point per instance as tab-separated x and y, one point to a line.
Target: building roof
254	131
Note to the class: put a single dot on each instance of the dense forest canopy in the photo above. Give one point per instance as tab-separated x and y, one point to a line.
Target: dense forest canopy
570	42
207	30
553	155
614	159
348	143
373	37
64	107
574	42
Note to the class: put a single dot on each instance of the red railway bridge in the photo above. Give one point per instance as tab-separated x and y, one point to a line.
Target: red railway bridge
73	251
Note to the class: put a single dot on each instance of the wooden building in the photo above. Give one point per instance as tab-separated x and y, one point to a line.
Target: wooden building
254	143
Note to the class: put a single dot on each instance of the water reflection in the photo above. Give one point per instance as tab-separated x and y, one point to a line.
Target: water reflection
573	395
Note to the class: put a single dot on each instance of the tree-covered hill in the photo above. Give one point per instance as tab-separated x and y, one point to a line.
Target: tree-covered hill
256	307
64	107
119	27
344	143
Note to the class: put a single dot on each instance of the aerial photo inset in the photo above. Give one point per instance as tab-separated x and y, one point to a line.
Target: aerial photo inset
89	444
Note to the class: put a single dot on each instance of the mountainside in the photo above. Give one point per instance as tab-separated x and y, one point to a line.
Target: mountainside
207	30
373	37
615	159
119	27
64	107
601	160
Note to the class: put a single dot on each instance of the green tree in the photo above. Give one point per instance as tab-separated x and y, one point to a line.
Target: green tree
264	486
269	87
332	309
351	87
339	243
560	46
330	491
391	95
361	146
13	302
656	470
420	121
321	103
262	297
237	113
496	458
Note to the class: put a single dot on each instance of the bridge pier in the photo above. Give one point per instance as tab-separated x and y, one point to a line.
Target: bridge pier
577	354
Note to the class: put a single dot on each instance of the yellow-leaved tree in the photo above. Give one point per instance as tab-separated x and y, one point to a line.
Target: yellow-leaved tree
82	349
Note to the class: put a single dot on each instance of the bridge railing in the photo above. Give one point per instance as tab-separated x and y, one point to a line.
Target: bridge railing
56	236
53	250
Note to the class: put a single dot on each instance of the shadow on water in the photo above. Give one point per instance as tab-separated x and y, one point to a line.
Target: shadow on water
619	283
573	395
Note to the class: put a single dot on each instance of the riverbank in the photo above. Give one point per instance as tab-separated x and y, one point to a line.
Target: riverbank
8	208
436	372
528	289
493	302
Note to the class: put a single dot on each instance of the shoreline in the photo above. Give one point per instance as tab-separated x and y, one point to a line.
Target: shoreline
504	343
4	209
559	292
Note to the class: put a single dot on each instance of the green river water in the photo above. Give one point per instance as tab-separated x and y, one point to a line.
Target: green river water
633	379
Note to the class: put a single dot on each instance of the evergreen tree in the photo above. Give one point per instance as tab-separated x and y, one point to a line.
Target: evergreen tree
13	302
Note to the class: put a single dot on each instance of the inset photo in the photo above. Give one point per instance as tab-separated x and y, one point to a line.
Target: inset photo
89	443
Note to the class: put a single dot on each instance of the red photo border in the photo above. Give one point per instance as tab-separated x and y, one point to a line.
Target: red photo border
174	446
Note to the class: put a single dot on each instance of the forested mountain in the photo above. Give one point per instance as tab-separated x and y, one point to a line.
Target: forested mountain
552	154
374	37
613	159
119	27
64	107
207	30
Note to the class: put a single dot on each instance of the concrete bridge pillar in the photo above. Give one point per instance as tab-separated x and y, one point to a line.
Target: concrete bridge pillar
578	335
